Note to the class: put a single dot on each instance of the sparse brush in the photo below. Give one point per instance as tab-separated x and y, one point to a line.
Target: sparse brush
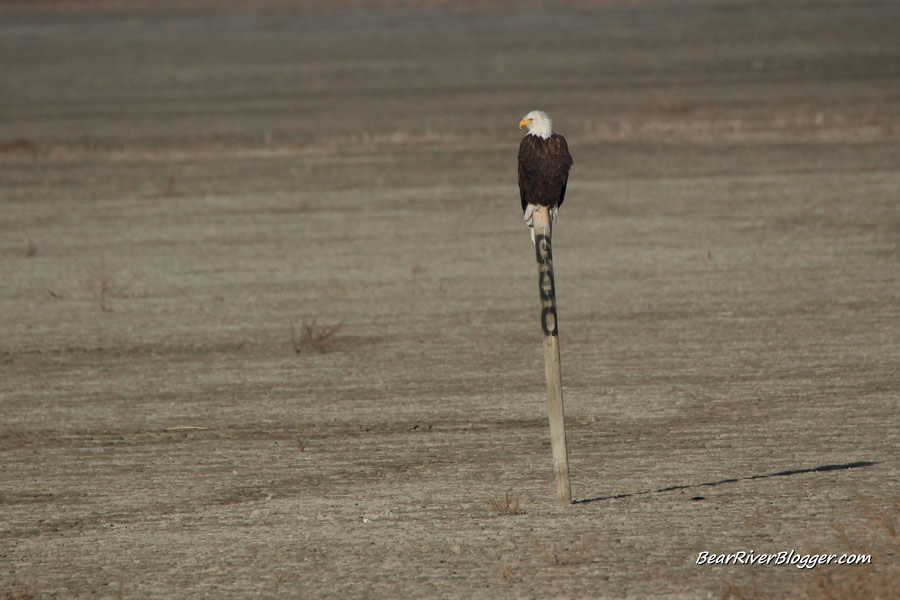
507	504
576	554
20	146
885	521
879	580
312	337
336	291
15	589
672	102
278	579
301	441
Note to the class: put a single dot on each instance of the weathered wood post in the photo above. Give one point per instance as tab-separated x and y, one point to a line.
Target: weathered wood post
542	227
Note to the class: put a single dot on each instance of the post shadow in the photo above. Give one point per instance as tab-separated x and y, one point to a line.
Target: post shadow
820	469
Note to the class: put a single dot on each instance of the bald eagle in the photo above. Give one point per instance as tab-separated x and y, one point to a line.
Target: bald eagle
544	163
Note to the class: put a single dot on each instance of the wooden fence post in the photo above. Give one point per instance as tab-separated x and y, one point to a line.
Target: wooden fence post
546	284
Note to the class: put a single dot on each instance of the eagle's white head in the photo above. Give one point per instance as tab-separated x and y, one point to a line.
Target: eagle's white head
538	123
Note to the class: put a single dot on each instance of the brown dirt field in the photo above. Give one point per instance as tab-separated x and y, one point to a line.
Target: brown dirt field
181	186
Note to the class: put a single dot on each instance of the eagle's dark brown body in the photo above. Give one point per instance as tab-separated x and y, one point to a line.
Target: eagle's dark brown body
544	165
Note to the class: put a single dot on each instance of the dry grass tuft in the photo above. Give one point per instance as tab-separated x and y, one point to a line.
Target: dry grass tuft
19	146
863	584
879	580
335	291
15	589
576	554
884	521
313	337
671	102
507	504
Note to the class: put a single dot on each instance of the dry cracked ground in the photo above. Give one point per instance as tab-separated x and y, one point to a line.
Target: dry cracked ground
270	321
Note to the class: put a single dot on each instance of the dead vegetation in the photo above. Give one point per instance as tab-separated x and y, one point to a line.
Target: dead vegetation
19	146
15	589
575	554
507	504
669	102
312	337
879	580
335	291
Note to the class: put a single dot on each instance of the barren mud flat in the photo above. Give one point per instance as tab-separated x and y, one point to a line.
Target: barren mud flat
270	317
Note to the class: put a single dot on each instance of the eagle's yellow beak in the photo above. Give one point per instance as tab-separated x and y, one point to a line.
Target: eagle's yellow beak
524	122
